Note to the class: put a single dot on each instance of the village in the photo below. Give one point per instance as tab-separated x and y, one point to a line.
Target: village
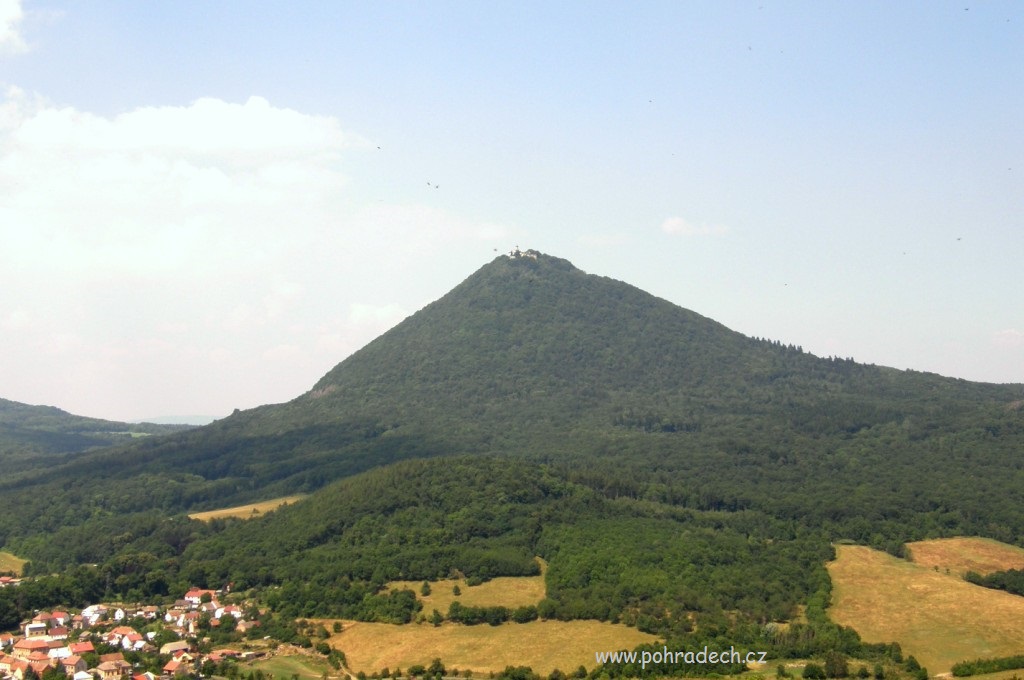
120	642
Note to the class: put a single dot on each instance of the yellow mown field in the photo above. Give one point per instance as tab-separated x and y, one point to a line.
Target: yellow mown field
505	591
246	511
960	555
10	562
937	617
542	645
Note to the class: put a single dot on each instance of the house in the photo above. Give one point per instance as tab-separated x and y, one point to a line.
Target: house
150	612
232	609
80	648
177	667
195	596
43	617
113	670
174	647
58	633
72	664
219	655
17	668
40	666
246	626
133	642
6	581
93	614
26	646
35	629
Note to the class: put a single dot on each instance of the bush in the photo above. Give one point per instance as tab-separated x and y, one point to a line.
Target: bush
813	671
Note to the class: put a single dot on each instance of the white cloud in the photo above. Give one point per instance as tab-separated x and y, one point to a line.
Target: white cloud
677	226
205	186
11	15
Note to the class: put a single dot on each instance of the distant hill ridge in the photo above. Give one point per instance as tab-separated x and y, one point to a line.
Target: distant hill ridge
41	435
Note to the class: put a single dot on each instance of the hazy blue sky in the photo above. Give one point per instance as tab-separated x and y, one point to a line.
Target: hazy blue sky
207	205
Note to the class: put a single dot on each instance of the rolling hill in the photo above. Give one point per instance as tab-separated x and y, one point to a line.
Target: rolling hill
37	436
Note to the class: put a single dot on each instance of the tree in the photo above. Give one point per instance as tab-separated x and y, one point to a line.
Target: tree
436	668
425	589
813	671
835	665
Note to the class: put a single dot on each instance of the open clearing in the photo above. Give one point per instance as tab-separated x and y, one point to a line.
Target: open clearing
960	555
246	511
504	591
289	666
542	645
9	562
937	617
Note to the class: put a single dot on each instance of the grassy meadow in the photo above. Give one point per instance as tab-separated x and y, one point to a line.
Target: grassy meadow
303	666
11	563
504	591
542	645
963	554
936	616
246	511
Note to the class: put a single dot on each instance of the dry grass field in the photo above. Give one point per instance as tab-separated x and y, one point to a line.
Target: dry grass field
960	555
246	511
937	617
11	563
542	645
504	591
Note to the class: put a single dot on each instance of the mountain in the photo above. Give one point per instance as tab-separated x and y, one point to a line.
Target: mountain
615	391
674	474
36	436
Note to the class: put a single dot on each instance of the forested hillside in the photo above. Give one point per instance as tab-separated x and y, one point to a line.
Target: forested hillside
669	469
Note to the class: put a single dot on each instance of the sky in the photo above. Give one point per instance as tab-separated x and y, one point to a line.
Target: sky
207	205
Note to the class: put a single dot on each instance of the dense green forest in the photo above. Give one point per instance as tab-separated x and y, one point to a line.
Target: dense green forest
1010	580
676	475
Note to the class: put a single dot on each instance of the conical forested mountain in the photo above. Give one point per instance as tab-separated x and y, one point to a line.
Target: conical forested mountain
614	389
